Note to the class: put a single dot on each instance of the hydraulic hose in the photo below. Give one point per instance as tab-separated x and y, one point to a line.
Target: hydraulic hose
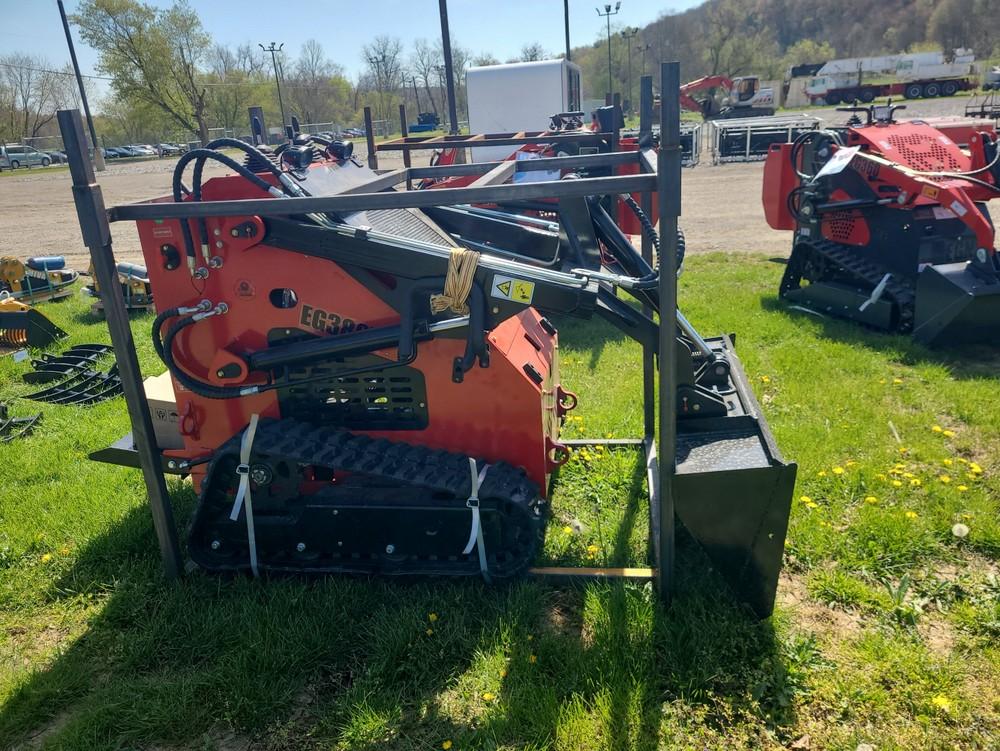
207	390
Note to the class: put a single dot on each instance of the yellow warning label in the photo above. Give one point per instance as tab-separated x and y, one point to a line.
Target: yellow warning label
930	191
517	290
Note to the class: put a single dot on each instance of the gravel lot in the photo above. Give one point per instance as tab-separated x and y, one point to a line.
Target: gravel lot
721	204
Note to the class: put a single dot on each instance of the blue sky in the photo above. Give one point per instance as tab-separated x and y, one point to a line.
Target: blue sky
498	26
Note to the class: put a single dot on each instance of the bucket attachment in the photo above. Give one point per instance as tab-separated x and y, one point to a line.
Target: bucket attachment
733	491
22	326
955	305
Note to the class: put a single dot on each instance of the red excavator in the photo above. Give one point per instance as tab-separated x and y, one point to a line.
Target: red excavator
741	97
891	224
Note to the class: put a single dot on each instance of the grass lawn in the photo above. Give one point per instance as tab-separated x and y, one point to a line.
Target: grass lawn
886	631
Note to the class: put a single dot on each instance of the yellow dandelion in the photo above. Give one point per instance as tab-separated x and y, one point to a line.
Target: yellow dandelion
503	672
489	696
567	530
897	484
609	436
430	632
850	463
765	379
911	514
897	381
47	557
871	499
903	450
961	460
882	381
942	702
908	475
899	465
945	479
805	499
591	548
533	659
937	429
975	468
915	483
821	473
880	476
812	504
948	433
432	617
838	470
962	488
446	745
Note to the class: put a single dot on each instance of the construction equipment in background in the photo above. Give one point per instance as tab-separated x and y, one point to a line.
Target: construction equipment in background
891	225
425	121
133	280
367	377
40	279
724	97
12	428
23	326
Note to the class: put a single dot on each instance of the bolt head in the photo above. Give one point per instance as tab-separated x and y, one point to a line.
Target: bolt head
390	549
216	544
172	464
218	243
234	232
217	232
301	547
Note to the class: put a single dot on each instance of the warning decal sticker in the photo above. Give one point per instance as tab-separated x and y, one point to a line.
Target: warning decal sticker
509	288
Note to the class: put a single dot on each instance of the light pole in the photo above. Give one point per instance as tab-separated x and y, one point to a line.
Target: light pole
98	156
277	80
607	14
628	34
643	48
566	21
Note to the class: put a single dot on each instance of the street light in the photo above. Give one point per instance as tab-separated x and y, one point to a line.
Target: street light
607	14
628	34
274	61
644	48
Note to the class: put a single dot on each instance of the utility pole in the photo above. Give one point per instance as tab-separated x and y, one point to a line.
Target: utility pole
628	34
277	79
607	14
643	48
566	21
448	67
416	94
98	155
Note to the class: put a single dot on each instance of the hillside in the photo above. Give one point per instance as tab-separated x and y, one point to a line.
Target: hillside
767	36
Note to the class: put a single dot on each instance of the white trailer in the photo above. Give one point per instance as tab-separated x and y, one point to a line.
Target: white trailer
518	96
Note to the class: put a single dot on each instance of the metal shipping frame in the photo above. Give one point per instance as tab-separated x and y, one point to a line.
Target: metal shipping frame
748	139
658	178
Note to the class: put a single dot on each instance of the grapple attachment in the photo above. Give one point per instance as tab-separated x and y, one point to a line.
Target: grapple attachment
23	326
956	305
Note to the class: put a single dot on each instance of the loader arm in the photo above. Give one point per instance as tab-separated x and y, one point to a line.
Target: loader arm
688	102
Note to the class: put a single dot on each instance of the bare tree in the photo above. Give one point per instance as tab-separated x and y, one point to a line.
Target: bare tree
532	52
239	78
384	58
485	58
424	61
30	94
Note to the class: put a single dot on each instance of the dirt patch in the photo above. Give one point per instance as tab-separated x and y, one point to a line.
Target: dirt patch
813	616
38	738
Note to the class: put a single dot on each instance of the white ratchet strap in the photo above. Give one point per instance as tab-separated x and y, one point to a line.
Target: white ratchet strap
476	532
243	492
876	293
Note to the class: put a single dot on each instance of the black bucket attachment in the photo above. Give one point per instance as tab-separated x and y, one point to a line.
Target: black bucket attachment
733	491
955	305
22	326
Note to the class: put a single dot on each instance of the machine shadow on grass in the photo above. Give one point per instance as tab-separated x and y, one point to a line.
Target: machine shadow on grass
361	663
963	361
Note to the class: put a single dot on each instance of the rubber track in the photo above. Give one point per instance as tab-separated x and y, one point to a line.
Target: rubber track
433	470
900	292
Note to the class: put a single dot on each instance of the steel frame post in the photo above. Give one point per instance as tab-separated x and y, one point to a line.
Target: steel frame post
370	138
669	202
404	131
646	204
97	237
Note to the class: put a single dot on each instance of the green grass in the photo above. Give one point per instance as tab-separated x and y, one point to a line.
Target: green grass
886	630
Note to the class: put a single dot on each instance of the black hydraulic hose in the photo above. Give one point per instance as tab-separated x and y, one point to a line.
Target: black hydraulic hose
207	390
647	226
158	327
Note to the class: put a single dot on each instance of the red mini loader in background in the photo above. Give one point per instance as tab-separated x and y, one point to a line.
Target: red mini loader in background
891	225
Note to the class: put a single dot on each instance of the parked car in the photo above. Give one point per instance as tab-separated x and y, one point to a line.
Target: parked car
169	149
57	157
143	149
128	151
17	155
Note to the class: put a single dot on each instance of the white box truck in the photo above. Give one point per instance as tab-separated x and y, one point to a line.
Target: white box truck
518	96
